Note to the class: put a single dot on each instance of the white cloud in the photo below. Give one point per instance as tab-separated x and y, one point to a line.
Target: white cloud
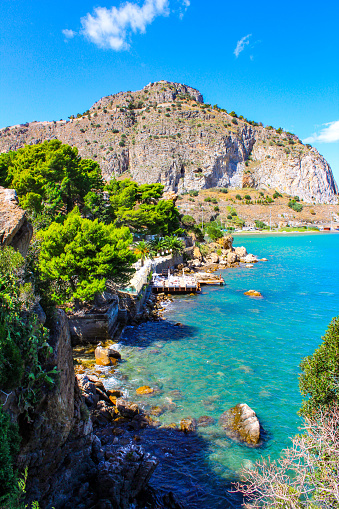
329	134
110	28
241	45
184	7
69	34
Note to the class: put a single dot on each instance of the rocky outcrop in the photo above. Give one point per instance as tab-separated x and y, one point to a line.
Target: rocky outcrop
124	474
164	133
15	230
68	465
241	424
57	442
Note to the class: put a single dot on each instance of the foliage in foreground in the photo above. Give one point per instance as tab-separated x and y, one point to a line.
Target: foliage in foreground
23	342
9	447
306	475
24	353
78	256
320	378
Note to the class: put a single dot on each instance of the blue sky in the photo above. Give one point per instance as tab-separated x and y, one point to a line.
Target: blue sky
273	62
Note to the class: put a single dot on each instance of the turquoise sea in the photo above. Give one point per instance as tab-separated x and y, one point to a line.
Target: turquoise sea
232	349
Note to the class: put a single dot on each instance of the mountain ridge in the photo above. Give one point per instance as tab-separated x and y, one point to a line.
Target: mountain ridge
165	133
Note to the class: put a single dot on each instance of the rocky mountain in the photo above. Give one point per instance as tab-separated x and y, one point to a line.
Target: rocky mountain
165	133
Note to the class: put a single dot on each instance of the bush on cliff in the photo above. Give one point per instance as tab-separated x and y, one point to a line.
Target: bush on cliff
24	355
9	446
49	176
77	257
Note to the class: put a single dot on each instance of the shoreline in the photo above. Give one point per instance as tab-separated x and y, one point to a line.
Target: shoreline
265	232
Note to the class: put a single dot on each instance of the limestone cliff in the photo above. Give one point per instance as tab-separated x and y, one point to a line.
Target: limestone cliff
15	230
165	133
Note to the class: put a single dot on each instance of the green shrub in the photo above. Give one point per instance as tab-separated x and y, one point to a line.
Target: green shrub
194	193
208	199
229	216
234	121
216	208
247	197
9	447
277	195
238	197
233	213
213	232
297	207
121	143
188	221
223	190
320	373
260	224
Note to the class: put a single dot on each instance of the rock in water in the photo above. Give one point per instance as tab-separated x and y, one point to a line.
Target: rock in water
102	357
253	293
240	251
188	424
145	389
250	258
241	424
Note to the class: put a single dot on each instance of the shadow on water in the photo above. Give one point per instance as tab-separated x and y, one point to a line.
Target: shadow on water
146	334
182	470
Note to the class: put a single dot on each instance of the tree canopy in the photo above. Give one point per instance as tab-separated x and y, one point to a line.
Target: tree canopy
320	373
141	208
50	176
80	255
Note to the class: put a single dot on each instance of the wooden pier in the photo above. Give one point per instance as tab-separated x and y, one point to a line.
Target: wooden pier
206	278
175	284
184	283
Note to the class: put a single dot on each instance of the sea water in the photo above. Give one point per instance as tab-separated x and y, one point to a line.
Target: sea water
232	349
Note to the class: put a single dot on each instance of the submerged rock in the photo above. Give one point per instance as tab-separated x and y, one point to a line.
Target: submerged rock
241	424
205	420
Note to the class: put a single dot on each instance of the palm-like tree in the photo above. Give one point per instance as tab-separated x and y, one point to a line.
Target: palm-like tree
143	250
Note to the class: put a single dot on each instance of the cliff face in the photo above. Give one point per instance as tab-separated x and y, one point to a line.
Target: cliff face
57	441
164	133
15	230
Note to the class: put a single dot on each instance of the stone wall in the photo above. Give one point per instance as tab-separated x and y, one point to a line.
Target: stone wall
94	327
